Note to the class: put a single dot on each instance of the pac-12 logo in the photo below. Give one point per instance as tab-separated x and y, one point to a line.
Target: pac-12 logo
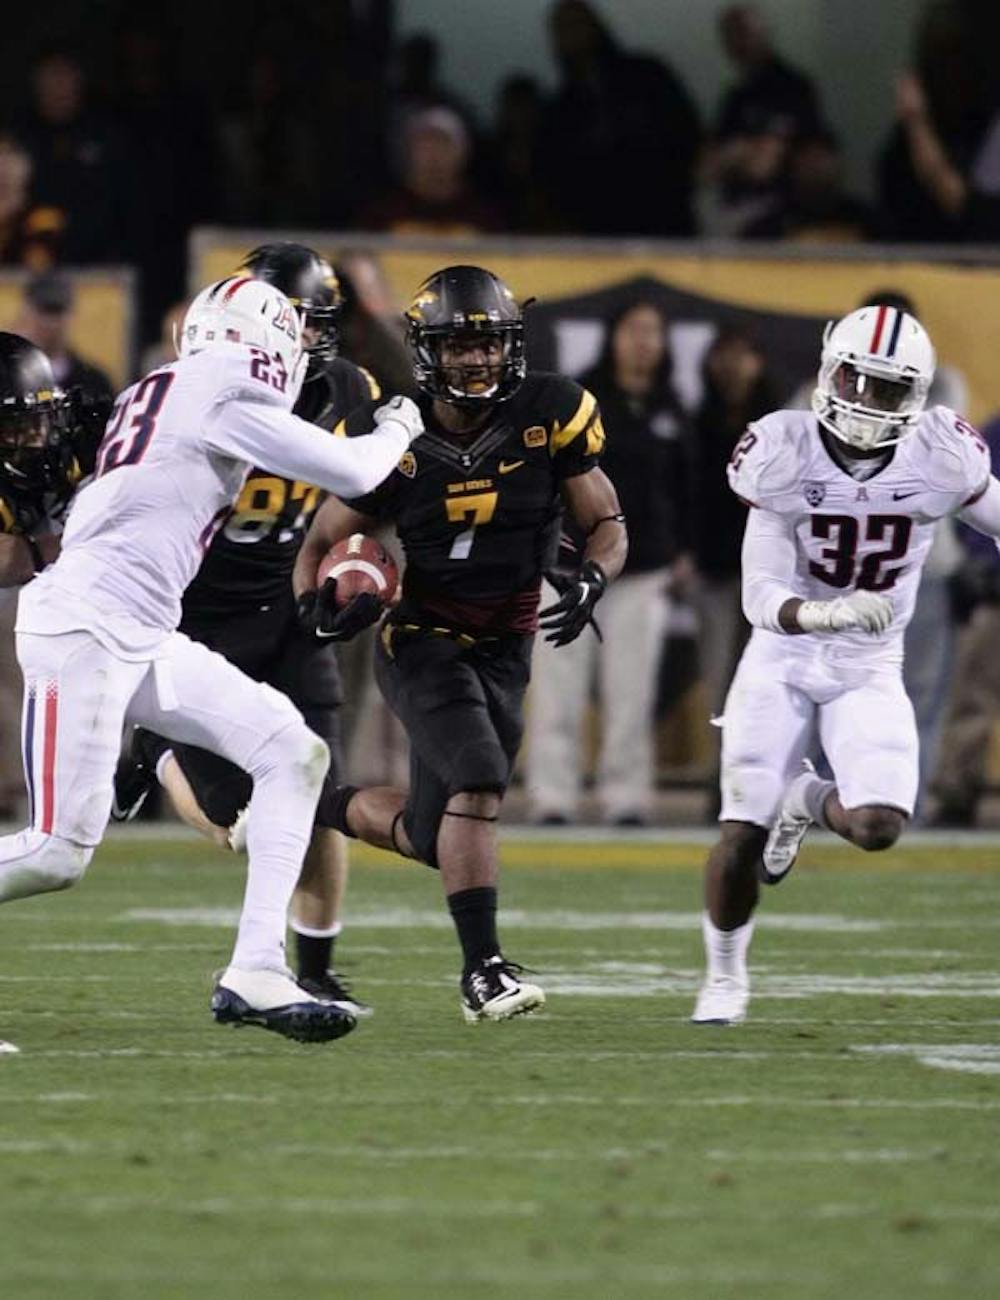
814	493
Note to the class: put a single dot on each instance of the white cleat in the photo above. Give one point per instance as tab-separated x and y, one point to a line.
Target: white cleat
236	836
8	1049
270	999
788	832
722	1001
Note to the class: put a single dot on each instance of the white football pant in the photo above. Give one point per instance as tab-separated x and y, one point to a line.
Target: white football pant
778	705
77	698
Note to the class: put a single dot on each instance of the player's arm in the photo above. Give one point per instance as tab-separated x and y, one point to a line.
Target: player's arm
332	522
769	561
277	440
983	512
21	557
593	502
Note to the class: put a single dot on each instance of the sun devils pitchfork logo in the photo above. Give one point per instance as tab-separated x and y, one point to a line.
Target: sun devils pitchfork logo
814	493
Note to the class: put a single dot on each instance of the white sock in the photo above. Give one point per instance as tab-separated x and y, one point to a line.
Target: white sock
308	932
814	795
726	950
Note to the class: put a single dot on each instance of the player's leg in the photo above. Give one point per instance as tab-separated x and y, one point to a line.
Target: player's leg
75	698
196	697
869	735
307	671
767	725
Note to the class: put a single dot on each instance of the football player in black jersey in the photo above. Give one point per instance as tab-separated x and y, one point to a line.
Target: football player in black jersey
241	605
47	441
477	503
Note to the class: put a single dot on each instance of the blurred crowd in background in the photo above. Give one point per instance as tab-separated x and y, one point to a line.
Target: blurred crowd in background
318	116
113	159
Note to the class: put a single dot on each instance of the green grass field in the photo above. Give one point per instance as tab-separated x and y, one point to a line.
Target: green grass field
844	1142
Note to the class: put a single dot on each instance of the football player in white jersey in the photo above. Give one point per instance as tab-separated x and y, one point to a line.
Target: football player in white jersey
843	501
97	639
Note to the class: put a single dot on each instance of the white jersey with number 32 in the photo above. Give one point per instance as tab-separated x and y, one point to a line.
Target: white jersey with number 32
872	535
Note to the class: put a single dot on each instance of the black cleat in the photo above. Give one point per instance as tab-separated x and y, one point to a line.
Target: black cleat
271	999
493	991
135	774
332	988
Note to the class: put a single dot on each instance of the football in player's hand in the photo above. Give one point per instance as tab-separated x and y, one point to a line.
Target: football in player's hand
359	563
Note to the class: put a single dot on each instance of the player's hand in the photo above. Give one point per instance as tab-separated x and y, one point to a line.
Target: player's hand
320	617
404	412
578	594
861	611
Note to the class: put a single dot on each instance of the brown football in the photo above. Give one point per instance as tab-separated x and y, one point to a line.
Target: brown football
359	563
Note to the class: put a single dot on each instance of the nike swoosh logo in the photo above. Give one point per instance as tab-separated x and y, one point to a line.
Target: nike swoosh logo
901	496
506	466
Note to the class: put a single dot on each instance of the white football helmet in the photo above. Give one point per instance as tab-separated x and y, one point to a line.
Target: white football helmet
875	371
241	309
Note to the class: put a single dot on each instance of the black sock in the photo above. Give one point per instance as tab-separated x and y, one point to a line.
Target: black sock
315	955
474	912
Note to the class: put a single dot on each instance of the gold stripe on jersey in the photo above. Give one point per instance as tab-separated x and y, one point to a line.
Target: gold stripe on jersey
562	437
340	428
6	517
595	436
374	387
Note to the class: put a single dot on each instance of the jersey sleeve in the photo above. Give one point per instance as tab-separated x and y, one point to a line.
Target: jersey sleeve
958	457
379	502
761	467
8	518
576	439
279	441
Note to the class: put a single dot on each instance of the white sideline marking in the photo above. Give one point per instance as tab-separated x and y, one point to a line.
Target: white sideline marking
401	918
871	1156
645	979
964	1058
558	1099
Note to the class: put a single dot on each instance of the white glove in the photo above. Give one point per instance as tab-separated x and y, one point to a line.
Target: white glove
404	413
861	611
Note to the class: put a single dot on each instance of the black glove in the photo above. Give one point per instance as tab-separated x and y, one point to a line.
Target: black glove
578	594
320	617
87	416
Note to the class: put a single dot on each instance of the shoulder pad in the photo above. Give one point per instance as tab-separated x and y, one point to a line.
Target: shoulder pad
952	452
766	461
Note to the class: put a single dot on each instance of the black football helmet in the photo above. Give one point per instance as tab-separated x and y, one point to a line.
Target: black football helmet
34	449
310	284
462	303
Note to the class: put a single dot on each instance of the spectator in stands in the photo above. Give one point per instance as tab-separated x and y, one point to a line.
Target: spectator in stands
30	235
172	170
76	156
737	390
164	350
416	85
974	703
435	196
815	208
514	156
968	199
269	154
644	457
943	112
46	319
621	134
771	107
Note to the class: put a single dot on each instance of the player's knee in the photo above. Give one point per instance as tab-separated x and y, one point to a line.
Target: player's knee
739	848
876	828
480	767
475	803
60	863
303	752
